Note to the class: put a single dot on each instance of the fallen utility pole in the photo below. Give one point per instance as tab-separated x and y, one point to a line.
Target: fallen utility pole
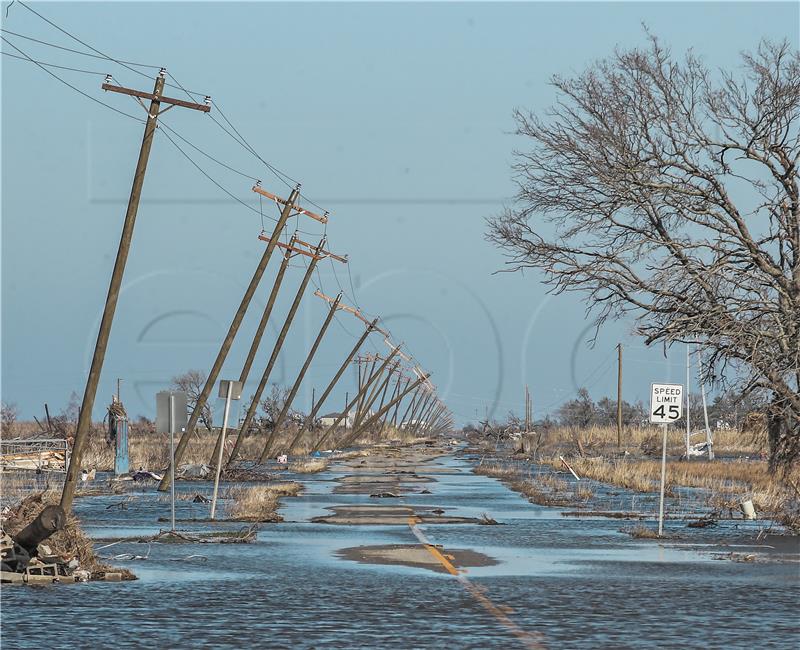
361	381
348	406
312	416
296	387
349	439
262	325
98	358
378	388
395	393
228	341
251	411
411	406
397	406
424	416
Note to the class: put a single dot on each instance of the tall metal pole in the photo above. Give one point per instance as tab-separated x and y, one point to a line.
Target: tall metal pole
221	448
172	456
226	344
251	411
90	392
688	414
663	482
262	325
296	386
619	395
312	416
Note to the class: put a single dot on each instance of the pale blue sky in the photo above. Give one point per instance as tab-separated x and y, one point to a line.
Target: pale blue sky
395	117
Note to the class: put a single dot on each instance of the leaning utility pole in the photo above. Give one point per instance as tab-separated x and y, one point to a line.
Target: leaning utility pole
90	392
251	411
397	406
232	330
287	404
312	416
354	434
262	325
619	395
349	405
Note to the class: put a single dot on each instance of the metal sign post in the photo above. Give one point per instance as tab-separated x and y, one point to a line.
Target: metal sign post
172	457
229	390
666	401
171	416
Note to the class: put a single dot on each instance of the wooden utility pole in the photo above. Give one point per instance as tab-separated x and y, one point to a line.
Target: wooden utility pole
251	410
397	406
411	406
367	377
296	386
369	422
395	393
98	358
312	416
228	341
350	404
379	387
262	325
619	395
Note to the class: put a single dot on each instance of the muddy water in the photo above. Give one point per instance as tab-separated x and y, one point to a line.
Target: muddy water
579	582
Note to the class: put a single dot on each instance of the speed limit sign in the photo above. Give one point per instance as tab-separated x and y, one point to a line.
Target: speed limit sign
666	403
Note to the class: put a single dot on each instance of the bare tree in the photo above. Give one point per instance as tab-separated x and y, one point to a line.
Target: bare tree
191	383
8	416
667	191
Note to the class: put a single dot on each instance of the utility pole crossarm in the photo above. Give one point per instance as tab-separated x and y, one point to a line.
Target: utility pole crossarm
357	313
274	197
205	108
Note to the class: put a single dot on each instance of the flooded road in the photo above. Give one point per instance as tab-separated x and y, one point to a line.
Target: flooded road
561	582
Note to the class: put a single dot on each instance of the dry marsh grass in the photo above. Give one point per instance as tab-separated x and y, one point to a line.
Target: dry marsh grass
308	466
259	503
727	482
642	439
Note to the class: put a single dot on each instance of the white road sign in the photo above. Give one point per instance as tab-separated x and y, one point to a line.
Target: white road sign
666	403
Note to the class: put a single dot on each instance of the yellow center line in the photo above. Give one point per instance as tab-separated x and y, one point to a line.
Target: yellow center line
531	640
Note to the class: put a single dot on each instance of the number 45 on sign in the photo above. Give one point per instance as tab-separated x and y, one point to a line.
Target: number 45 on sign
666	403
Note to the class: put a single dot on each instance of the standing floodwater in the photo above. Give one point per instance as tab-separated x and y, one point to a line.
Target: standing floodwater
568	582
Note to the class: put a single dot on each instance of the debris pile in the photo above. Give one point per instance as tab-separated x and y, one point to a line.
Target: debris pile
41	545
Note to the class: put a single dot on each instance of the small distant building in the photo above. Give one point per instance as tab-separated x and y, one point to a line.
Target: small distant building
330	418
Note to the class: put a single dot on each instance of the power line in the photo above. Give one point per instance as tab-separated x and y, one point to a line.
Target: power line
53	65
103	54
66	83
68	49
204	173
208	155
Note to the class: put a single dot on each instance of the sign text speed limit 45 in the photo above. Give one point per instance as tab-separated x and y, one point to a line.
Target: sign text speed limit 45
666	403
